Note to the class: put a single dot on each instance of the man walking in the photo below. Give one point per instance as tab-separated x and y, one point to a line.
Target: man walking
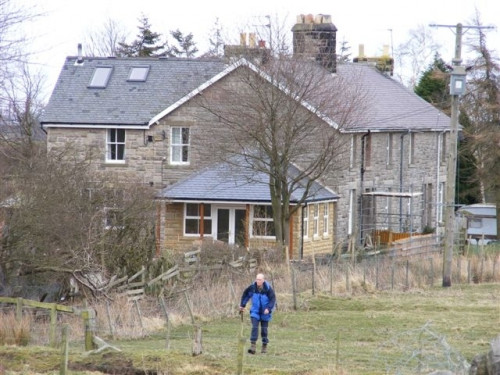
263	302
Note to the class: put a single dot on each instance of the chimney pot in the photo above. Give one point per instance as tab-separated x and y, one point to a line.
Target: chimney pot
80	54
361	50
251	40
385	50
243	39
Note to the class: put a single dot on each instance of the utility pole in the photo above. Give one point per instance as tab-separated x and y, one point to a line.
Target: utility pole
457	89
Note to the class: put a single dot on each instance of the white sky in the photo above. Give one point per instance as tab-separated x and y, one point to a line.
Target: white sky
66	22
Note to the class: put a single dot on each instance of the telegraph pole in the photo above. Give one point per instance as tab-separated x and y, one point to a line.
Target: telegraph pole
457	89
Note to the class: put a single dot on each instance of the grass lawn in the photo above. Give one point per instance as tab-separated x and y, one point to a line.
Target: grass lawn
377	333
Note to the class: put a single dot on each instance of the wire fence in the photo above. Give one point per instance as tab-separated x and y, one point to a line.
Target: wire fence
182	307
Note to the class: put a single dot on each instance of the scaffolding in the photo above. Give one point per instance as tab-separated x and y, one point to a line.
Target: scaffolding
387	215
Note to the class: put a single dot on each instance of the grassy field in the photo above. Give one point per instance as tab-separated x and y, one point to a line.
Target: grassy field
371	333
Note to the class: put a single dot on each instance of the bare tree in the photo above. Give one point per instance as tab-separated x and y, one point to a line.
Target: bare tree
57	218
22	104
277	116
415	55
216	41
65	220
482	106
107	40
12	41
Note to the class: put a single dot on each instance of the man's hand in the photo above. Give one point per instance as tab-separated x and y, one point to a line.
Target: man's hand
266	311
242	309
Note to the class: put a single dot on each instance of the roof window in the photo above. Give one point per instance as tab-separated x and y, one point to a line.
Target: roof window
138	73
101	77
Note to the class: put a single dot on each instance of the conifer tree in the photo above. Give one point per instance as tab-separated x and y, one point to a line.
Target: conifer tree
186	45
148	42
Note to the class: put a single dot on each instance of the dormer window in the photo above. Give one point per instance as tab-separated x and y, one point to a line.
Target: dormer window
101	77
138	73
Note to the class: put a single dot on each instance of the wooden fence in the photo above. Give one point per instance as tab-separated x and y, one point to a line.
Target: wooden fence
88	316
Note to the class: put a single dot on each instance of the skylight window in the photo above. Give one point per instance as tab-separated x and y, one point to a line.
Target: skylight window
101	77
138	73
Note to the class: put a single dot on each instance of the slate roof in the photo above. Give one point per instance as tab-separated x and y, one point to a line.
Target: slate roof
391	106
224	182
123	102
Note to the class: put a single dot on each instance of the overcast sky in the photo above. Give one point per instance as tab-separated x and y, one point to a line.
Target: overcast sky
372	23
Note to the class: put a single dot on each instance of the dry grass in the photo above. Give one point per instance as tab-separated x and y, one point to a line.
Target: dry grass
368	303
14	332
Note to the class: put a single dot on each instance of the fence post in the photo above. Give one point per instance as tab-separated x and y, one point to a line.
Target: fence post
313	274
407	274
347	279
53	322
459	269
139	315
241	348
337	353
64	353
468	271
197	344
188	304
482	268
364	272
108	314
294	288
392	276
88	316
331	277
432	271
167	321
19	309
376	273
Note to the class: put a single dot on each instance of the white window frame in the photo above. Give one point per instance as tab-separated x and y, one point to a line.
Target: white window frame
179	147
198	217
326	212
316	220
411	151
350	222
389	148
266	220
440	205
305	222
115	145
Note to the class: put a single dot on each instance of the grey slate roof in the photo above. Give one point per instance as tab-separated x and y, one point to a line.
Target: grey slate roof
123	102
391	106
227	183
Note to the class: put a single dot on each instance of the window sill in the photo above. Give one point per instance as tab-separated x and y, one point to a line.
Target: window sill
179	164
112	163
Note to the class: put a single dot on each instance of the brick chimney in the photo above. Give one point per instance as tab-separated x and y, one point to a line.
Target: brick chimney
315	38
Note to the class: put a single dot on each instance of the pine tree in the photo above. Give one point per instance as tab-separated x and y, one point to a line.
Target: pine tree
147	43
433	85
186	45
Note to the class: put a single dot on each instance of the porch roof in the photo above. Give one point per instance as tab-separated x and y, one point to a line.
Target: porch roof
225	182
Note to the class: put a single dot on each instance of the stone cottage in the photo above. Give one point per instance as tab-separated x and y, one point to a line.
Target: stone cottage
143	120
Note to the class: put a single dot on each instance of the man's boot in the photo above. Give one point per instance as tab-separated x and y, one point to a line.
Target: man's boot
252	349
264	348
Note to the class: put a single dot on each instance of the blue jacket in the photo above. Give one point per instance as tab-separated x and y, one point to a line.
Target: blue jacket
261	300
